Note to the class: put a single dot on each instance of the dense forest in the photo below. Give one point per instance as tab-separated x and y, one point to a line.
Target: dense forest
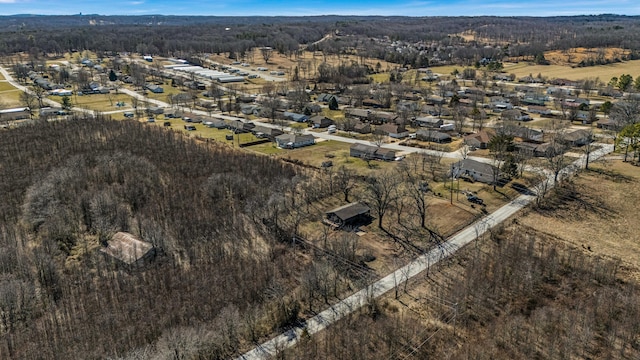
183	36
68	186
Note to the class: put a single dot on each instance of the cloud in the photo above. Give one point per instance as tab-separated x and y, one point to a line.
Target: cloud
131	2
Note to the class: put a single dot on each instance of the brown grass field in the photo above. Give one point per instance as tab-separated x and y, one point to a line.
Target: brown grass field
307	60
601	217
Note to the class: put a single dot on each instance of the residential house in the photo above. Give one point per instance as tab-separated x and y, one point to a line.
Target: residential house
515	115
250	109
266	132
155	110
372	103
383	117
292	141
15	114
542	110
578	137
365	151
433	136
154	88
393	130
479	140
607	124
295	117
320	121
476	171
524	133
326	98
361	114
351	214
215	123
239	126
172	113
429	121
362	128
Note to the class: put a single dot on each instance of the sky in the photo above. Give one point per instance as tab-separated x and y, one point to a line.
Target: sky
322	7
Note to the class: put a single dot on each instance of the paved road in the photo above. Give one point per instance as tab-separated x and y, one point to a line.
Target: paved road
387	283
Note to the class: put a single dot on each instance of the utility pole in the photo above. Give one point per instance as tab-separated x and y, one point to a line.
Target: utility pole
451	184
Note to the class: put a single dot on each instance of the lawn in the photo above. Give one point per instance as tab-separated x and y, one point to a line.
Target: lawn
1	77
5	86
10	98
98	102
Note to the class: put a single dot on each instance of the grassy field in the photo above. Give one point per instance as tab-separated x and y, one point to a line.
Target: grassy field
99	102
9	96
604	72
598	217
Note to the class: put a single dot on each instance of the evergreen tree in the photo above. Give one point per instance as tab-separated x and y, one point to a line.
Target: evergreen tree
333	103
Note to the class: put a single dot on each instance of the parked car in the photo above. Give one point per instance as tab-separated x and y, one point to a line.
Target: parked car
474	199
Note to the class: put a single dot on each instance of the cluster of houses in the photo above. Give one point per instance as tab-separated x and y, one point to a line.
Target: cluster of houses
530	141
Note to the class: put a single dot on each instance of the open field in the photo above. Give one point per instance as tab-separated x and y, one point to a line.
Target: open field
99	102
10	98
576	55
598	216
307	63
604	72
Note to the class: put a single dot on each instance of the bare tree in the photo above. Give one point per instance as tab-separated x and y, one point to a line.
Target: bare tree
266	52
271	102
380	192
345	181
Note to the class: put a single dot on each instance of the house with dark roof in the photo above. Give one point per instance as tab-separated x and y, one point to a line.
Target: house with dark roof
240	126
292	141
429	121
352	214
393	130
320	121
361	114
476	171
370	152
295	117
362	128
542	110
433	136
154	88
266	132
515	115
15	114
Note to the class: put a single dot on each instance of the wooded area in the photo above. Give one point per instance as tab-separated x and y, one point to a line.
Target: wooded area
523	37
68	186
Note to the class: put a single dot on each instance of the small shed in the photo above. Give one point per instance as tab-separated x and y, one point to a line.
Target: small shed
128	249
349	215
